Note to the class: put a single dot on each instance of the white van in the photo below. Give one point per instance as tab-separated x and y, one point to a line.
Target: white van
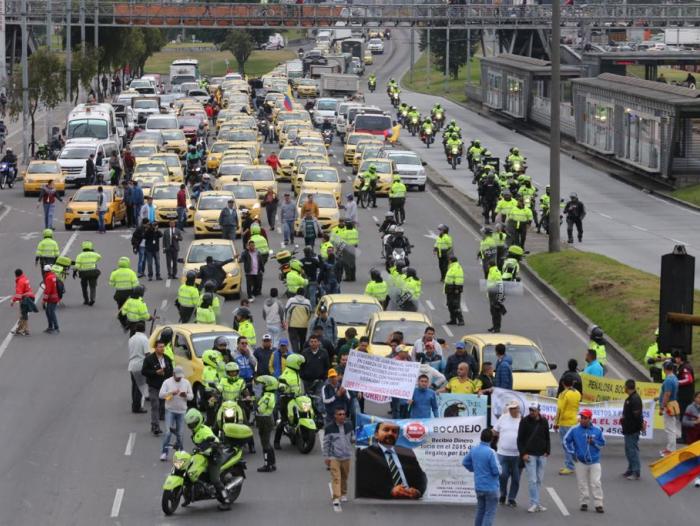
77	151
92	121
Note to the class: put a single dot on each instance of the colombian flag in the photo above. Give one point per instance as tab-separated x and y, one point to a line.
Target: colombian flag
287	103
675	471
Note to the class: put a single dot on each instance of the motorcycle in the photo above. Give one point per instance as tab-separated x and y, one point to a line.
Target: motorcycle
516	167
371	86
327	137
453	156
401	116
395	99
413	125
194	172
188	479
398	257
42	152
439	119
304	419
8	173
427	136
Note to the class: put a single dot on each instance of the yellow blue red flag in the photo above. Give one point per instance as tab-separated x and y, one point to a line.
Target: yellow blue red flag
675	471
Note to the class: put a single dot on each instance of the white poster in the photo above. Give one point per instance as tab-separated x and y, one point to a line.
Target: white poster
380	376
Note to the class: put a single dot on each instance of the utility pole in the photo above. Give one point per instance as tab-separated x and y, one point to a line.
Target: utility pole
554	141
49	46
3	49
447	54
69	52
25	83
413	47
96	46
427	64
82	27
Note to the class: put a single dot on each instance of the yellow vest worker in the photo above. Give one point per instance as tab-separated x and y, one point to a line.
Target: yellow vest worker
454	284
247	329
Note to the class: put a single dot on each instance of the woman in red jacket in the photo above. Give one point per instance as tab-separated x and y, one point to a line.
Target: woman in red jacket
25	296
51	299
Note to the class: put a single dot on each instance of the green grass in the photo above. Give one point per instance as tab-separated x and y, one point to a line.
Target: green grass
622	300
213	63
690	194
434	83
176	45
670	74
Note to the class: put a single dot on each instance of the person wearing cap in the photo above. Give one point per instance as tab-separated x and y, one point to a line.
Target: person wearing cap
568	403
326	323
288	215
334	396
534	447
584	441
506	430
432	356
350	208
574	212
228	221
278	360
460	356
86	267
263	354
176	391
51	299
46	250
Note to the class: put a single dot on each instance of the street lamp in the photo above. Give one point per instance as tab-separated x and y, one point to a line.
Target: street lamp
555	122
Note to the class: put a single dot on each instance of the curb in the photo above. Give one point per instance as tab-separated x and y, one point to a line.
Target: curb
459	201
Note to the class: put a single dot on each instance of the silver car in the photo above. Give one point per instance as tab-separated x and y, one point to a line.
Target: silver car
409	167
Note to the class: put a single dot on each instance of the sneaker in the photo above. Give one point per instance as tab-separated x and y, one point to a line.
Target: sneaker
599	509
163	457
566	471
697	482
584	507
541	508
343	498
626	474
336	506
512	504
664	452
533	509
502	500
632	476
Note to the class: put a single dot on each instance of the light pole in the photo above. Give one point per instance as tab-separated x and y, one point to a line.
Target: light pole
69	52
554	141
25	83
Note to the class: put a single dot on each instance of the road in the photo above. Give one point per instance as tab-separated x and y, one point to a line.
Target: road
623	223
75	454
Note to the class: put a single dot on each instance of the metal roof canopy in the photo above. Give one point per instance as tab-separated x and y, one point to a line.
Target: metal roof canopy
646	89
645	57
534	66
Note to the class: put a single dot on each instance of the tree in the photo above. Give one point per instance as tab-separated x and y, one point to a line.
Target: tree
83	70
241	44
46	86
458	47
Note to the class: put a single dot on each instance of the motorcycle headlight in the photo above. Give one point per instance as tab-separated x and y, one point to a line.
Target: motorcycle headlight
306	406
229	413
178	463
212	401
455	150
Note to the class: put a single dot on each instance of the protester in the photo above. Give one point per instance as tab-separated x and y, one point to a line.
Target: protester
686	381
506	431
460	356
253	268
572	371
567	410
297	312
504	373
669	408
462	383
584	442
316	366
423	404
534	448
263	355
176	391
338	442
691	424
138	348
334	396
593	368
419	345
25	297
157	367
632	423
327	324
270	202
288	215
278	360
273	315
482	461
47	198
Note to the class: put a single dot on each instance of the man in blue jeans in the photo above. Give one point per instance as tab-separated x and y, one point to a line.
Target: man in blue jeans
288	214
481	460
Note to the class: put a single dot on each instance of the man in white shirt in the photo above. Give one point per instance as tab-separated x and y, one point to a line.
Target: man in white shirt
176	391
350	209
419	345
138	347
506	430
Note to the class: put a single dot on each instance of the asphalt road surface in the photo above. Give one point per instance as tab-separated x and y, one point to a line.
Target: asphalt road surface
74	454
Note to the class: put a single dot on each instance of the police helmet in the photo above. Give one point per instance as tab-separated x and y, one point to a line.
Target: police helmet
389	215
190	277
207	299
243	312
232	367
193	418
166	335
220	341
515	250
48	233
411	273
210	286
86	245
269	383
295	361
138	291
375	275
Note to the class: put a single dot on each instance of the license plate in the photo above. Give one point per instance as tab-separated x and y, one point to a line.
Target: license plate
85	218
171	216
216	227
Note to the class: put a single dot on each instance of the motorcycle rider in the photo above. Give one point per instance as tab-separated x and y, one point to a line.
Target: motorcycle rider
490	191
389	220
370	178
426	125
264	419
397	241
231	386
511	265
208	445
454	141
402	113
193	159
290	386
545	201
377	288
475	150
437	108
514	157
413	119
202	186
372	81
397	199
213	369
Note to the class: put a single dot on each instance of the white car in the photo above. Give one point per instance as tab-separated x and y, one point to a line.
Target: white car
198	94
324	110
376	46
409	167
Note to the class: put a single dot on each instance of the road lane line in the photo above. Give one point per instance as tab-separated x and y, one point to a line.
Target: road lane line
117	504
163	304
8	209
430	304
167	283
447	331
606	216
557	500
130	444
374	218
464	307
640	228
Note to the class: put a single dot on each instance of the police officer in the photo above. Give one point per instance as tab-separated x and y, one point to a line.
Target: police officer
545	202
370	178
351	236
123	280
311	265
290	386
505	204
490	192
47	250
264	419
653	357
231	386
574	212
208	445
597	344
135	309
496	295
377	288
397	199
205	312
442	249
246	327
294	279
86	268
454	285
510	270
488	251
519	220
261	244
187	297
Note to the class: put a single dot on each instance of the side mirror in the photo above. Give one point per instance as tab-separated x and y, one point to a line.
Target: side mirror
552	366
424	163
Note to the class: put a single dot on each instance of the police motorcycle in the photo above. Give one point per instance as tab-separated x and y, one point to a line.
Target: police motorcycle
454	156
8	174
439	119
428	135
395	98
414	124
304	419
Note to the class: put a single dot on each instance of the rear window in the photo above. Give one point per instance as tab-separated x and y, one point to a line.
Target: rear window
162	123
372	122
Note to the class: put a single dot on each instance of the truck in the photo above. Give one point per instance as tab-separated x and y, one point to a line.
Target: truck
341	34
339	85
318	70
354	46
682	36
184	70
341	59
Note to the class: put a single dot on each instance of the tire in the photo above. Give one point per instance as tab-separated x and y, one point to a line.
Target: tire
421	188
170	500
235	493
112	223
306	440
427	143
199	396
454	163
68	226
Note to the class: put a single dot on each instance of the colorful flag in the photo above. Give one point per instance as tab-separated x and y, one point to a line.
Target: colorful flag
675	471
287	103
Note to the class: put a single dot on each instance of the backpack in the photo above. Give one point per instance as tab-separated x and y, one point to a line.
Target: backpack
60	288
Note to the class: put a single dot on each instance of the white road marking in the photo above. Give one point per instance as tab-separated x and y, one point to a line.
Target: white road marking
117	504
430	304
640	228
163	304
464	307
7	211
4	298
606	216
130	444
168	282
557	500
447	331
374	218
680	242
27	236
330	488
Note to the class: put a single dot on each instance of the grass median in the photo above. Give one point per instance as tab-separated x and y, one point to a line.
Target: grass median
689	194
622	300
434	83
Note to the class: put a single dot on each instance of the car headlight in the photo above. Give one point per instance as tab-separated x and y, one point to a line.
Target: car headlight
256	205
233	273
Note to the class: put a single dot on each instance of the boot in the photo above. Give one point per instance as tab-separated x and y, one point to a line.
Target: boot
460	319
273	464
268	467
222	497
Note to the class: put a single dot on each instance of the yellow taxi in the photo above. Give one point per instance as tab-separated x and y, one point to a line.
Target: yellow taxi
321	179
81	208
284	116
301	168
147	181
215	153
238	156
286	158
385	170
307	88
175	141
261	176
245	195
531	371
165	200
375	33
207	210
230	170
368	58
382	325
238	134
39	173
172	161
368	149
350	310
151	167
317	148
243	147
189	342
221	250
351	143
143	151
328	211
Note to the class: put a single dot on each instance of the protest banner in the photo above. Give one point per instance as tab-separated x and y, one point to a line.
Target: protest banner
430	452
377	399
606	415
451	405
380	376
597	389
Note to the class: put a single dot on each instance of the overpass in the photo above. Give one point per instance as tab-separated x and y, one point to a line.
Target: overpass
199	14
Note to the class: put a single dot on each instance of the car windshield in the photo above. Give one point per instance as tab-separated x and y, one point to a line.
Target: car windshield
188	122
86	195
264	173
213	202
171	160
321	176
143	151
173	135
145	104
404	158
355	138
411	330
168	123
76	153
197	93
526	358
231	169
357	314
241	191
307	82
151	167
382	167
204	342
96	128
242	135
199	253
219	147
165	192
327	105
289	153
322	200
49	168
372	122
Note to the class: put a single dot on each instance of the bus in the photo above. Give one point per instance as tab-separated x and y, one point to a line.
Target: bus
184	70
354	46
